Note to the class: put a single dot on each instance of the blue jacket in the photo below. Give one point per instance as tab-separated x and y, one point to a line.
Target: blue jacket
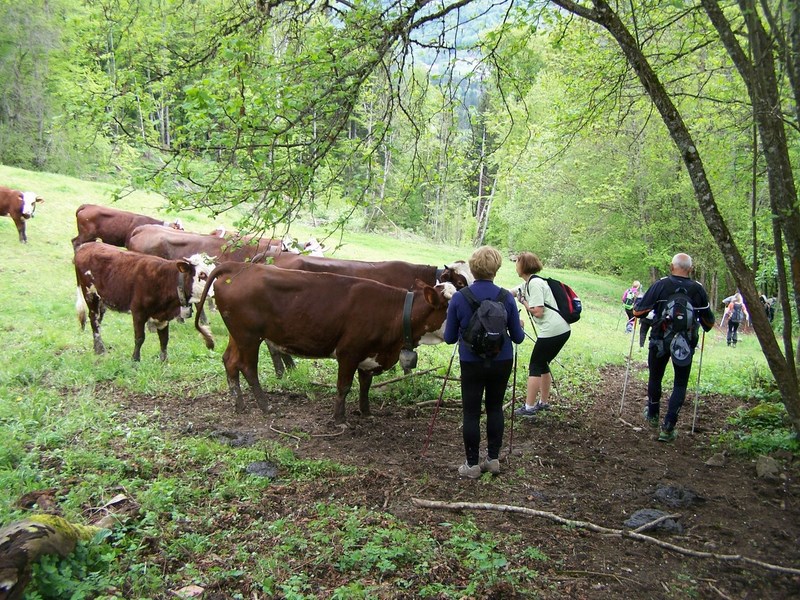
459	313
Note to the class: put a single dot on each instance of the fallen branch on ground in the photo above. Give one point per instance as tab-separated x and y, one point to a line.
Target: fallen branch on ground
604	530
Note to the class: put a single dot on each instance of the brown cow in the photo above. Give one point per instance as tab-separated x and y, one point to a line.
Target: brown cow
392	272
363	324
20	206
150	288
111	225
171	244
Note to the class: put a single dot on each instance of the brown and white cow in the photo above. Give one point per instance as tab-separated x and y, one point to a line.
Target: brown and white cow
392	272
112	225
172	244
152	289
20	206
362	323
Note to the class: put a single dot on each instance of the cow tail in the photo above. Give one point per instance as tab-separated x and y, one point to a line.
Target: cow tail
80	309
205	330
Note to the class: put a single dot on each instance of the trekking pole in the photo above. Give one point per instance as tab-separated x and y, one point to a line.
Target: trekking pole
439	401
627	368
697	387
513	398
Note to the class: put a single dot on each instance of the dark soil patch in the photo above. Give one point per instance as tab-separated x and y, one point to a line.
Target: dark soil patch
578	461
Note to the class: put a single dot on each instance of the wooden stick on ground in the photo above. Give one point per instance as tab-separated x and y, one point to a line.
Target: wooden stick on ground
604	530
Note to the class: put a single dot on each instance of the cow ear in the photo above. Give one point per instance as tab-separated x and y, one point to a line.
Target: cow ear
184	266
39	199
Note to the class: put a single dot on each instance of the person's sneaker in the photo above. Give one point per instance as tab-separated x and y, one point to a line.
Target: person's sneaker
490	465
652	421
471	472
667	436
524	411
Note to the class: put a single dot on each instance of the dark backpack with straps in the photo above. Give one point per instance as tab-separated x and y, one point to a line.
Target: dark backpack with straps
679	322
487	329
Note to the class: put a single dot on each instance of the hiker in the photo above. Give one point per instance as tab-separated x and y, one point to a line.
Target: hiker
551	330
629	298
480	377
668	342
736	312
769	306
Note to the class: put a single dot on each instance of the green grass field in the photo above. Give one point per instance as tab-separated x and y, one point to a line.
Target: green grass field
57	397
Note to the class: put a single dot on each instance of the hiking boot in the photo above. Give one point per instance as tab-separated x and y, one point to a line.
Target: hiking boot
490	465
524	411
470	472
667	436
652	421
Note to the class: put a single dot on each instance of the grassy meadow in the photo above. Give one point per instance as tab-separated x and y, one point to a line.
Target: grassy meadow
59	420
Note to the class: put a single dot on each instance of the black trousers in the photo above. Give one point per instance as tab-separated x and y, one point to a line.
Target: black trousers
658	366
733	327
479	380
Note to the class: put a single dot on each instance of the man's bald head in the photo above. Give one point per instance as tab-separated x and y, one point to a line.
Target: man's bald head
681	264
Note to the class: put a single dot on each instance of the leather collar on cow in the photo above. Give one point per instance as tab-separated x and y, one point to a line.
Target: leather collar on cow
408	343
181	293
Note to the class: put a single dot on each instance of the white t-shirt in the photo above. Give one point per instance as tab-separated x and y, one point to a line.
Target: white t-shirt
551	324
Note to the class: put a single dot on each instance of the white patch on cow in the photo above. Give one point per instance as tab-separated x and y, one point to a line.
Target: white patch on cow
203	265
313	248
28	204
462	268
448	289
154	325
370	363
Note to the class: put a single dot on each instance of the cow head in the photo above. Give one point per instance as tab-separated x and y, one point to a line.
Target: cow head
200	266
176	224
437	296
458	274
29	202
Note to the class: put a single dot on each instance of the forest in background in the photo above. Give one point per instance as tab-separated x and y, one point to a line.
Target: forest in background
568	160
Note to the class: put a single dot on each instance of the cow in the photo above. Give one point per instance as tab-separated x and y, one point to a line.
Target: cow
396	273
172	244
393	272
152	289
20	206
362	323
111	225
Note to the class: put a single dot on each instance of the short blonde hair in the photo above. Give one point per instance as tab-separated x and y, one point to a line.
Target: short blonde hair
485	262
636	284
528	263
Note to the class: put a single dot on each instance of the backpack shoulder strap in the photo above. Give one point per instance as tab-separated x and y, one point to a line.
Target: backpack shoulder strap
471	299
501	295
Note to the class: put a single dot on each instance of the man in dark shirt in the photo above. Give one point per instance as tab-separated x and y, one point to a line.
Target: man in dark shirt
660	353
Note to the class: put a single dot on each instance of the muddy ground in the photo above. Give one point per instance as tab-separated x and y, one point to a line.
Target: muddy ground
578	461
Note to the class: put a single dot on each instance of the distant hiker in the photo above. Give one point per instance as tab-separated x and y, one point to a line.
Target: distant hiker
680	305
552	332
736	312
769	306
478	375
629	298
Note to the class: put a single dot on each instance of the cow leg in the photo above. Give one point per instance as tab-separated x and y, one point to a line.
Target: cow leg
364	383
230	358
344	382
277	360
138	337
96	310
288	361
20	223
163	338
244	359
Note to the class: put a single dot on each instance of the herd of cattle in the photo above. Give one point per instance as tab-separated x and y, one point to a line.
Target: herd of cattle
366	315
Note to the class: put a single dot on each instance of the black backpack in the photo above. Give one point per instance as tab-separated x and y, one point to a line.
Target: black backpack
568	305
488	326
680	325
